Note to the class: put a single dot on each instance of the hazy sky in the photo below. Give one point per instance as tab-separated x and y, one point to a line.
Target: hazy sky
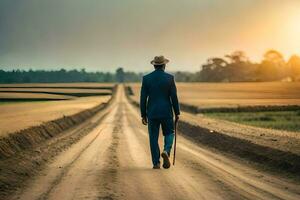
106	34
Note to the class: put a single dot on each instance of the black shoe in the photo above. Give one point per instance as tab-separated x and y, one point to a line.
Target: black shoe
166	159
157	166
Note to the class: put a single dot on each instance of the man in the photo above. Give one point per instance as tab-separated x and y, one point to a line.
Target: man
157	103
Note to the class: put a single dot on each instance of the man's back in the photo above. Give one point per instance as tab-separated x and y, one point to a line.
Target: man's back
158	95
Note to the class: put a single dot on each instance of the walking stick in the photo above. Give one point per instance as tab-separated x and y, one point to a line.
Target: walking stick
175	132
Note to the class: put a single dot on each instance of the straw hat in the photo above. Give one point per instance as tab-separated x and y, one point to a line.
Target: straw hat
159	60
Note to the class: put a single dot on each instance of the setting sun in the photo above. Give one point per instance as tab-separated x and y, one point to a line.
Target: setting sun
292	30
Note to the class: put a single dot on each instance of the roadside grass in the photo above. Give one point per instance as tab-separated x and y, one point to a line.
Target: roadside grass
280	120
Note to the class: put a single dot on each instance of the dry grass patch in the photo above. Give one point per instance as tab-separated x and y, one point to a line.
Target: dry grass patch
213	95
14	117
239	94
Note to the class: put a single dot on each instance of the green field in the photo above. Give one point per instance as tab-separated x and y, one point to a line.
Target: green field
281	120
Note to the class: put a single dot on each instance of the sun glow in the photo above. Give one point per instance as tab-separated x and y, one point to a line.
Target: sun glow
293	25
291	31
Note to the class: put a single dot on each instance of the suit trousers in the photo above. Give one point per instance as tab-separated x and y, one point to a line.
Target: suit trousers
167	126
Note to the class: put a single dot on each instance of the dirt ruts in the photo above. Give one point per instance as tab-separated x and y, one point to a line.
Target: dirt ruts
27	138
108	177
113	161
274	158
24	153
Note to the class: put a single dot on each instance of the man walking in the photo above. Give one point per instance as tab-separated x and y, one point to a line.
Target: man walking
157	103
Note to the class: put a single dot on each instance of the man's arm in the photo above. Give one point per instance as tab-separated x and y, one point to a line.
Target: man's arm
143	100
174	98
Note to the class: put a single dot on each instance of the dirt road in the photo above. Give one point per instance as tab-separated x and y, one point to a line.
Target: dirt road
113	162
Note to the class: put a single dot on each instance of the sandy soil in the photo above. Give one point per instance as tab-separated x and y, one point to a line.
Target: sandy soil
113	162
14	117
235	94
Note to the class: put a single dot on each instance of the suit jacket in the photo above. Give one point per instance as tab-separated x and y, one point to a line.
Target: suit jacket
158	95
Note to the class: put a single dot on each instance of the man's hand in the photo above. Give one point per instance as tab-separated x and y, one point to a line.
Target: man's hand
145	121
176	117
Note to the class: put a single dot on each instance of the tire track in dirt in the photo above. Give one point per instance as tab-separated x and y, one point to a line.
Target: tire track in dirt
117	165
88	170
237	180
16	170
108	177
66	169
60	173
39	145
176	183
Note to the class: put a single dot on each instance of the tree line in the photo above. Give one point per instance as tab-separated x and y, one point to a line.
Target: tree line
66	76
237	67
234	67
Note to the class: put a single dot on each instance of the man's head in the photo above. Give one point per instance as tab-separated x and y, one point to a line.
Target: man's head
163	66
159	62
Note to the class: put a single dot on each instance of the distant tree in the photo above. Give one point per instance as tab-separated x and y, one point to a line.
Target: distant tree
62	75
217	62
26	79
237	57
239	68
108	77
213	70
272	67
120	75
132	77
294	67
181	76
274	56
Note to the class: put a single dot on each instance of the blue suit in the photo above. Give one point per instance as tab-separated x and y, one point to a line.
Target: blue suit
158	102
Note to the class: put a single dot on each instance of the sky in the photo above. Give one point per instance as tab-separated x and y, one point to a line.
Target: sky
102	35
